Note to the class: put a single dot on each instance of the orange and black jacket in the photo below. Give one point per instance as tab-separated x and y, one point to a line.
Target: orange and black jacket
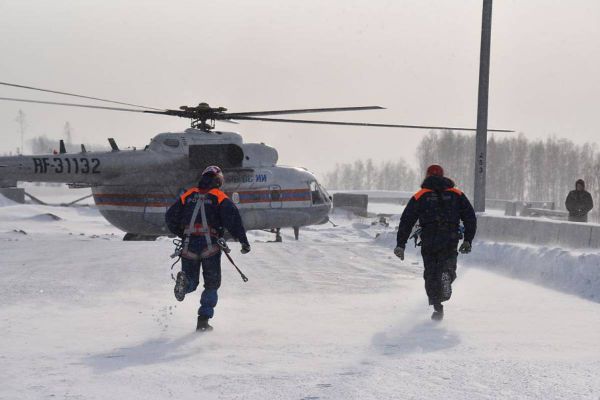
221	214
439	207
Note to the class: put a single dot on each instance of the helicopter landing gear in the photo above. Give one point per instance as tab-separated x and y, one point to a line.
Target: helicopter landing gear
277	232
278	237
296	232
134	237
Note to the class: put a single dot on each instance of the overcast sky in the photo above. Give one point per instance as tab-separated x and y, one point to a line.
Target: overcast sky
419	59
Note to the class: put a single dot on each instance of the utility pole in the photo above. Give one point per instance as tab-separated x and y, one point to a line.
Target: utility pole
22	125
67	132
482	107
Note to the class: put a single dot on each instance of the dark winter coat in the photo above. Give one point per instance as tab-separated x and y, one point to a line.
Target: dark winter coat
221	214
579	203
439	207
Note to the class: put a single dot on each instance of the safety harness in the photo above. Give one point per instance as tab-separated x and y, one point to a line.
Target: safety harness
195	229
182	246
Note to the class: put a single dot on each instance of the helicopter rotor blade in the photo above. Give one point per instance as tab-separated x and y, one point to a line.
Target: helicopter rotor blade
229	117
301	111
77	95
300	121
81	105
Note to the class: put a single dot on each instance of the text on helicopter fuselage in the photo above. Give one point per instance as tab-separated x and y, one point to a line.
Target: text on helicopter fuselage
66	165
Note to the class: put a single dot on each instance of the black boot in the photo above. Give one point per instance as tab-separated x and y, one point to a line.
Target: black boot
202	325
438	312
181	286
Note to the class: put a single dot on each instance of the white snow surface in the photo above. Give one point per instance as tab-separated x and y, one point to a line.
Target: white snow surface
335	315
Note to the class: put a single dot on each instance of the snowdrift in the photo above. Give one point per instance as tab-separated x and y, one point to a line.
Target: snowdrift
569	271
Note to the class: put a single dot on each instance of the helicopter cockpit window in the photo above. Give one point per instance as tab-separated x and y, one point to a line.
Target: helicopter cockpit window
325	194
316	194
171	142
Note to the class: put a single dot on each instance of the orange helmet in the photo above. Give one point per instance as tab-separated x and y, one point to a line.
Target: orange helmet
435	170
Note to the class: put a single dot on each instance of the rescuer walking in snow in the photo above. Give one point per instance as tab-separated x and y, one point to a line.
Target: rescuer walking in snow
439	207
200	217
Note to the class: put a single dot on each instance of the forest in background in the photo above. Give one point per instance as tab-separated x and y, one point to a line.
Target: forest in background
42	144
518	168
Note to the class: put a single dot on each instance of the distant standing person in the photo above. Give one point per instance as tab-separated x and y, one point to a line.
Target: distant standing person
439	207
579	203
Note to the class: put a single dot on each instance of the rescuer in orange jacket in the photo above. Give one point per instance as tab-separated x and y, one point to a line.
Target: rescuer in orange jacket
439	207
200	217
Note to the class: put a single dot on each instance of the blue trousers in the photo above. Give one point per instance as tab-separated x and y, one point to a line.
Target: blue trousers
211	273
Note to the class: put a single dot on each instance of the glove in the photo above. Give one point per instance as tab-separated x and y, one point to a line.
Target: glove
399	252
465	247
245	248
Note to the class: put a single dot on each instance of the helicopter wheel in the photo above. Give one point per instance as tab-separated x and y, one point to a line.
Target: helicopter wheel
296	232
278	237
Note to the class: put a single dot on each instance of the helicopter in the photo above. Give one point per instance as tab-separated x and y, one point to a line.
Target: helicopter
132	189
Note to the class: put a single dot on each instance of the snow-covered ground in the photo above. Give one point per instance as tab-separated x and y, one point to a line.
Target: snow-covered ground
335	315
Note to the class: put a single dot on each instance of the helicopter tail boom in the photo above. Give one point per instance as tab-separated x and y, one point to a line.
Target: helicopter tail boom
58	168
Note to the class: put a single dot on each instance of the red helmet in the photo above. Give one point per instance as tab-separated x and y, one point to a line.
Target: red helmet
214	172
435	170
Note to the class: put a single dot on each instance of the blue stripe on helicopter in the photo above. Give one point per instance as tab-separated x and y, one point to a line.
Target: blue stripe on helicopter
160	200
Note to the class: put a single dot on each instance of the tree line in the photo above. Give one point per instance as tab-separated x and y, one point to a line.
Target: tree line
42	144
518	168
366	175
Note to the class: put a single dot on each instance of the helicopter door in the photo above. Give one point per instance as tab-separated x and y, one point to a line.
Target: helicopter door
275	193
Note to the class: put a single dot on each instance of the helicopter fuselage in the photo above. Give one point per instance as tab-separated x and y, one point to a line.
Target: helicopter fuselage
133	188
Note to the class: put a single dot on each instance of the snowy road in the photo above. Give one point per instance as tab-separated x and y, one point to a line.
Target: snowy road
333	316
